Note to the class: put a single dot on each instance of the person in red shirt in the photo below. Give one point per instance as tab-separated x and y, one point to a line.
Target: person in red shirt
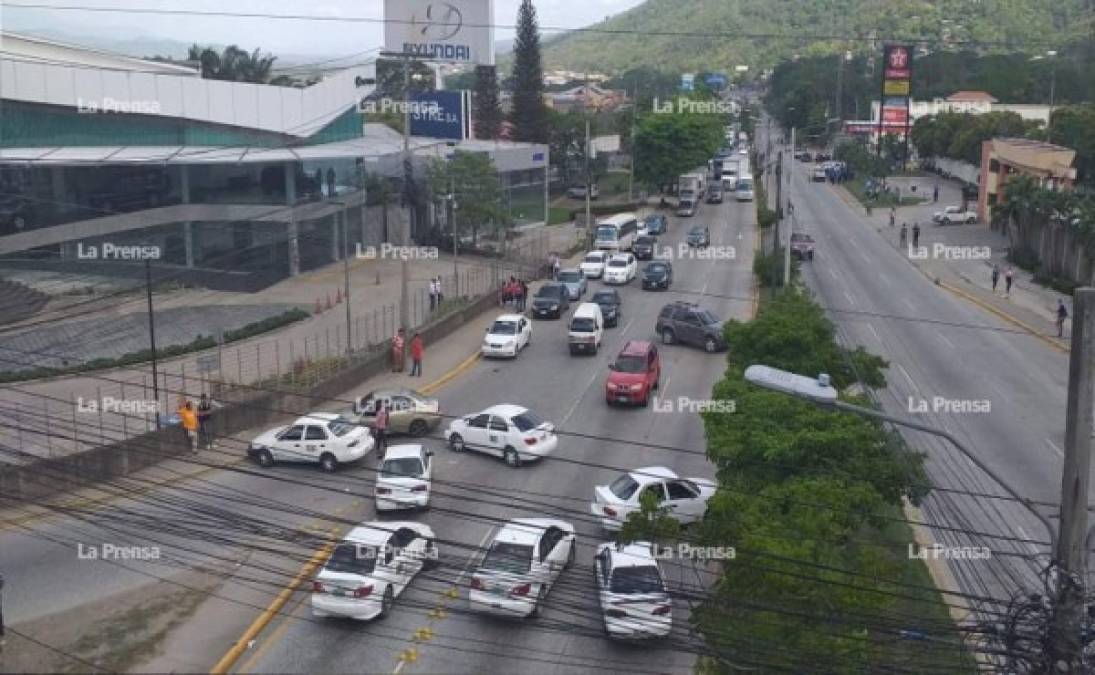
416	356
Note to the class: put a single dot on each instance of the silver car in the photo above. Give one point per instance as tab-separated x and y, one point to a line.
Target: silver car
575	282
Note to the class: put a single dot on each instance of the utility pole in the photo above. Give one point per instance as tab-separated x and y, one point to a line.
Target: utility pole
631	173
452	224
767	153
346	279
589	189
152	339
404	272
1052	90
1066	649
779	201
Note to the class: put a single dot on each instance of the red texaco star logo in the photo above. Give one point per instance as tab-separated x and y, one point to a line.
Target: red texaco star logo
899	58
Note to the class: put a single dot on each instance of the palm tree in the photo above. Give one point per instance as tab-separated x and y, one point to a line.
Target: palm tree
234	64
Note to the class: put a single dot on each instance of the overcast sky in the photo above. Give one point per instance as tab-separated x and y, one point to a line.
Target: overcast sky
275	35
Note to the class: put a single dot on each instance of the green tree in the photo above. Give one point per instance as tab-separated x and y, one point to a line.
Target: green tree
672	143
235	64
487	110
1074	127
472	179
390	78
529	115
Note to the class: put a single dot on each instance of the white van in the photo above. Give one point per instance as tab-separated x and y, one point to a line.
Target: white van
587	328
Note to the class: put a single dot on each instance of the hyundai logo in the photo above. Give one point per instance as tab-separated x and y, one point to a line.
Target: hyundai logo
442	21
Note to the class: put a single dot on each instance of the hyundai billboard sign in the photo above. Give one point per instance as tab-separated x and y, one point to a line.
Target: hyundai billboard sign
454	31
440	114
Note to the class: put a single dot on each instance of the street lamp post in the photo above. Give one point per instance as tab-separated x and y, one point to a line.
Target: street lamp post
1052	91
821	392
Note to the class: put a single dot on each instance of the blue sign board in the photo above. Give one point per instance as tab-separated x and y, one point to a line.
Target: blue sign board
537	156
440	114
716	81
687	81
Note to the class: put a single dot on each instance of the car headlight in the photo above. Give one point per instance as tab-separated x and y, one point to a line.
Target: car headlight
510	343
554	305
636	387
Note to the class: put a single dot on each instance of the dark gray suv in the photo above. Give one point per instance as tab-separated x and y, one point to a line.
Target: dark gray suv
690	324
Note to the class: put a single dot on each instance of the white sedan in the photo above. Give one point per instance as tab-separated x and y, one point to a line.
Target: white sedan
685	499
507	336
512	432
370	568
404	478
593	265
521	565
634	597
621	269
328	439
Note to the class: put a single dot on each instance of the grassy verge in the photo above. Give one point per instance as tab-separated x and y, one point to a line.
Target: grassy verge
858	188
199	343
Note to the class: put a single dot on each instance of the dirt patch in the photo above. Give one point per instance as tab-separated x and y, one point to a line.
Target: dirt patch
114	634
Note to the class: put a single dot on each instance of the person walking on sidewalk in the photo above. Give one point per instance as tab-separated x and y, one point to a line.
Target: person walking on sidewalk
1062	314
519	295
524	294
380	429
440	292
416	356
1009	277
995	277
398	354
205	422
916	235
188	419
893	216
433	295
935	194
904	234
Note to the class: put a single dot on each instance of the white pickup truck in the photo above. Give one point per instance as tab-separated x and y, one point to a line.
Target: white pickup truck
954	214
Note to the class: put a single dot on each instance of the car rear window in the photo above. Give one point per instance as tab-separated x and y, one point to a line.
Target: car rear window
526	420
569	277
636	580
593	258
617	263
657	268
508	557
549	291
352	559
624	486
402	467
604	298
583	325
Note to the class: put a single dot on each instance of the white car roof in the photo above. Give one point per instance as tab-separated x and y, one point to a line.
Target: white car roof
509	317
506	410
378	532
619	256
587	310
598	254
401	451
317	418
524	530
649	473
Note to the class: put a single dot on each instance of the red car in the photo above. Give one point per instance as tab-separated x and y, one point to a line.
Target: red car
634	375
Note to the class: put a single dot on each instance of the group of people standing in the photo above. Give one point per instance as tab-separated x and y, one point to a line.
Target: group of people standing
513	291
197	422
905	232
399	353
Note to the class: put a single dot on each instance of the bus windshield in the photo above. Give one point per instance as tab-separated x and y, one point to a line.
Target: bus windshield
606	233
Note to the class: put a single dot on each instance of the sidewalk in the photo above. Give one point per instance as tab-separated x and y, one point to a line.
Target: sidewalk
1030	306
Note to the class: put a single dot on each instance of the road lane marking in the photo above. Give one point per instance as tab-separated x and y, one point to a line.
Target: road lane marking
832	272
945	340
851	300
874	332
578	399
909	304
1055	448
1030	544
908	377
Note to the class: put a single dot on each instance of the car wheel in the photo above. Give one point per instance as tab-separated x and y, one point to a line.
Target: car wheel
540	597
667	337
709	345
419	428
328	463
456	443
386	603
511	457
265	459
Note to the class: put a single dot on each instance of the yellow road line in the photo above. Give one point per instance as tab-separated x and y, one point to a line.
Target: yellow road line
451	375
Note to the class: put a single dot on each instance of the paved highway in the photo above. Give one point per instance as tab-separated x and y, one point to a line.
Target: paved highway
253	529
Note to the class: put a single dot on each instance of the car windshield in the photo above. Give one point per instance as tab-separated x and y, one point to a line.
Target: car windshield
349	558
604	298
645	241
549	292
583	325
631	364
504	328
595	259
706	317
340	426
624	486
652	220
569	277
401	467
527	420
697	232
656	269
508	557
636	580
617	262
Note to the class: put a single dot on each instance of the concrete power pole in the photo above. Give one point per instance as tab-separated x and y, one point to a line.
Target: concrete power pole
589	189
779	201
405	239
1066	647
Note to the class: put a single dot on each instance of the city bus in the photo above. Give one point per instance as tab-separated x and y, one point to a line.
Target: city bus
617	233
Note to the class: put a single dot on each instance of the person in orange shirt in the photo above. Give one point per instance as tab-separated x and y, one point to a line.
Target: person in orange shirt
188	418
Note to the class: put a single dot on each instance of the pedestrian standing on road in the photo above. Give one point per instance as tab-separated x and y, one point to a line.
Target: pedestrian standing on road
916	235
380	429
935	194
205	422
416	356
904	234
893	217
524	294
995	277
398	354
1062	314
519	295
1008	279
440	292
433	294
555	267
188	419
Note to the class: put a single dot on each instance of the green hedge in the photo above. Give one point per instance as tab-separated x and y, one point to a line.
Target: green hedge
199	343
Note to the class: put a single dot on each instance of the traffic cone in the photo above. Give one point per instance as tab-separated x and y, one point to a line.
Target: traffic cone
328	301
338	297
319	307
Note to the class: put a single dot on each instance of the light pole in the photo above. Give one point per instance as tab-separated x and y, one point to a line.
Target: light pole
341	216
822	393
1051	54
